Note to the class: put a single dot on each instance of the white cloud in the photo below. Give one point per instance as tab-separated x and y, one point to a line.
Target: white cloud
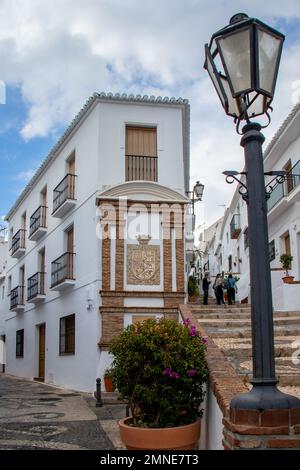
60	52
24	176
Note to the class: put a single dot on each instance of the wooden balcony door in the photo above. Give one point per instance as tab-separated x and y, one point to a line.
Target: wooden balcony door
70	250
42	351
71	179
42	269
289	178
141	153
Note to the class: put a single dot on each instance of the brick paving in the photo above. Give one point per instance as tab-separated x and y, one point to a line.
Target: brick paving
38	416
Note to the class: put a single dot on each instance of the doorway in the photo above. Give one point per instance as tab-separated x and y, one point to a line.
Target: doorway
42	351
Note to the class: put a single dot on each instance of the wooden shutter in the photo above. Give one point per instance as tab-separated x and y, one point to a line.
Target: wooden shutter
141	154
141	141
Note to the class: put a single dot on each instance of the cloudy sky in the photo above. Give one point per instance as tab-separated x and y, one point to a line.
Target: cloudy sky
54	54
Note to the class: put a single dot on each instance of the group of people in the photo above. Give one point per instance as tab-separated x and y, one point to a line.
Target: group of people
219	285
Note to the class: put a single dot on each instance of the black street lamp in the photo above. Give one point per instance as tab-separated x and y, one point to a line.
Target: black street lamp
196	194
242	60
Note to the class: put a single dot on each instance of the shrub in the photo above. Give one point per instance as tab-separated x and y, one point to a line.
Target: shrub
193	288
159	366
285	261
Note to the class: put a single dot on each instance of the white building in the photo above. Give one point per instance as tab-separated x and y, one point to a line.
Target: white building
228	246
3	261
71	291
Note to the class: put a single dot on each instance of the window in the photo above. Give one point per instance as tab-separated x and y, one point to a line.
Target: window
246	239
272	255
20	343
67	335
141	154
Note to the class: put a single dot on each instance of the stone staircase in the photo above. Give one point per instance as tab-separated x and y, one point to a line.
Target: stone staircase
230	328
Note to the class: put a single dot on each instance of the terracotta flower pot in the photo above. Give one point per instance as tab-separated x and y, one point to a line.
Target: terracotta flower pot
108	384
180	437
288	279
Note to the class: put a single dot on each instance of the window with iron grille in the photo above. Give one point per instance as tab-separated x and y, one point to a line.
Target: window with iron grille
272	254
20	343
67	335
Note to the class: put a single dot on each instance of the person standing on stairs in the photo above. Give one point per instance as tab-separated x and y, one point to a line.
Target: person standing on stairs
218	286
231	289
205	287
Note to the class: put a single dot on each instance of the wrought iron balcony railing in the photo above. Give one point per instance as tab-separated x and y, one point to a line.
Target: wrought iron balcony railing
292	180
38	220
64	190
16	297
35	285
18	241
235	226
62	269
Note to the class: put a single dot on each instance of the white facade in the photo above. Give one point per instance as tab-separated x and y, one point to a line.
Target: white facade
97	139
3	293
227	248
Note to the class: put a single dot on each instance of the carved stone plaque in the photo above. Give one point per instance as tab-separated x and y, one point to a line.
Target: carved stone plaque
143	264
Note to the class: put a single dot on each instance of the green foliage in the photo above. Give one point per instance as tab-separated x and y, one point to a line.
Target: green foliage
286	261
159	366
193	288
108	373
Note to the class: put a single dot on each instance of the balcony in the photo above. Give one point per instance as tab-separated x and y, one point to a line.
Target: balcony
140	168
18	244
62	272
64	196
17	299
235	226
287	192
38	226
36	288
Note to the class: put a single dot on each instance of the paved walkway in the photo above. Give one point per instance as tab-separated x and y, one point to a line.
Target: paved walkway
37	416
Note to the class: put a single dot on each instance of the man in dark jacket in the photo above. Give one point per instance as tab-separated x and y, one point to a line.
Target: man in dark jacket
205	287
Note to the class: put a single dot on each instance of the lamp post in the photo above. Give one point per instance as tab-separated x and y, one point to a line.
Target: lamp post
242	60
196	194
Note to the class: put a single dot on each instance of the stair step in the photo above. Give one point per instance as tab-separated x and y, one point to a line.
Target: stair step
233	322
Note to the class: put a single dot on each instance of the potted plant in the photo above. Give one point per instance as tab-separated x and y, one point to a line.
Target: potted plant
286	264
193	289
108	382
160	368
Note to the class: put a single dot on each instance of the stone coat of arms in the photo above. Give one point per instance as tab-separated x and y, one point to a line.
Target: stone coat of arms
143	263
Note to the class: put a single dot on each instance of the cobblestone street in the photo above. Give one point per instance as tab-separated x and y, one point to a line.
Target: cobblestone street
37	416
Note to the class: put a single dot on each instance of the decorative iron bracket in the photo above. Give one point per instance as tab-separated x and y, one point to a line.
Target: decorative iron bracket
279	178
231	176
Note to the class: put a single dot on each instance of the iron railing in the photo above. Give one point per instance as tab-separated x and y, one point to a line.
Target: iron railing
36	285
235	226
38	220
18	241
63	191
139	167
16	297
292	180
62	268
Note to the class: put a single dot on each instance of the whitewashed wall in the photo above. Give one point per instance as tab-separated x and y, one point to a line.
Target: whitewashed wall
99	143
